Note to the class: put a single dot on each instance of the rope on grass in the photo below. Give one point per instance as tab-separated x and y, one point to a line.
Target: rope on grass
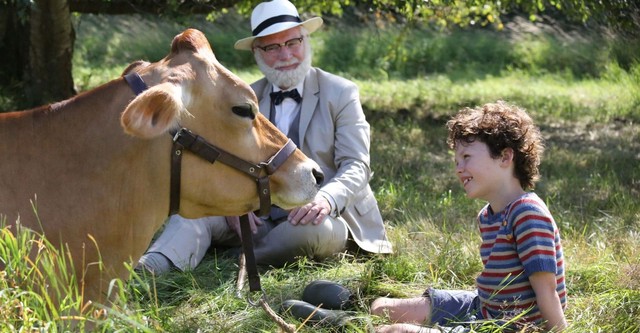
242	275
284	326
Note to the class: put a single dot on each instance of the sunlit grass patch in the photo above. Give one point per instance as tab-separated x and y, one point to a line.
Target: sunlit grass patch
39	290
36	282
615	310
548	97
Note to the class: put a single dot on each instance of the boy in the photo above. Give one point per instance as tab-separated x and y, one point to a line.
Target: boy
497	154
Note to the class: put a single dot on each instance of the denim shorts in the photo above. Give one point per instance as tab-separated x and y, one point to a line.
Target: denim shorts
456	311
452	307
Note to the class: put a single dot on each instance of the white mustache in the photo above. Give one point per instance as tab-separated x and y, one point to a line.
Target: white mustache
289	78
285	63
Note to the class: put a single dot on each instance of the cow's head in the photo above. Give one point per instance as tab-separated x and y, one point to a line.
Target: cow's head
190	88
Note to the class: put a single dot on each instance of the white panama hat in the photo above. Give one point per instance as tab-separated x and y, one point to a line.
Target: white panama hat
272	17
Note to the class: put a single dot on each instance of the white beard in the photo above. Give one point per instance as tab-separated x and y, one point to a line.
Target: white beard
286	79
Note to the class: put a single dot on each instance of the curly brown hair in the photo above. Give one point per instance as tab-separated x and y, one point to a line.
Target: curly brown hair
500	126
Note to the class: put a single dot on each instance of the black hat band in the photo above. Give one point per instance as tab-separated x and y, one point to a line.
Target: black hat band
276	19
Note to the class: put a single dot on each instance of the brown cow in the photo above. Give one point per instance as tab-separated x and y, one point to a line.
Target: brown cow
98	164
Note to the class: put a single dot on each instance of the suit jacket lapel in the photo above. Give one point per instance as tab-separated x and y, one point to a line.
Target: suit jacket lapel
309	103
262	89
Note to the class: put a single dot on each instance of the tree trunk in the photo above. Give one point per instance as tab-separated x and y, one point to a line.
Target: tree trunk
36	44
37	38
13	50
51	39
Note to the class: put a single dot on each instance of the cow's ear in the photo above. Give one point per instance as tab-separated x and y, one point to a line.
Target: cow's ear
153	112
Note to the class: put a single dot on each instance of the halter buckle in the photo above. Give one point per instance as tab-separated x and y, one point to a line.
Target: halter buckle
256	302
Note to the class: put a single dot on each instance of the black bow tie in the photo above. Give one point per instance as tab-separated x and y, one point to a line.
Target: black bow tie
279	96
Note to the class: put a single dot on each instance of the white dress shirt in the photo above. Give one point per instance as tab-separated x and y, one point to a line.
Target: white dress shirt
286	111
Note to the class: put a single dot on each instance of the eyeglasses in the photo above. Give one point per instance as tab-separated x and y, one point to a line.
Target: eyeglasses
291	44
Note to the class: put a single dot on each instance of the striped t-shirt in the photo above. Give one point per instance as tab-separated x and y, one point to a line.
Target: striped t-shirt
517	242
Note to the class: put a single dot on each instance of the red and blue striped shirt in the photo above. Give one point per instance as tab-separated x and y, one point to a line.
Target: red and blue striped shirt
520	240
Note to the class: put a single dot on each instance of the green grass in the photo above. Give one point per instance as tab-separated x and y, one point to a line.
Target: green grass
582	89
27	297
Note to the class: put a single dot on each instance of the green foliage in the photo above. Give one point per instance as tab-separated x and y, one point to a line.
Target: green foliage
394	52
620	15
305	7
107	44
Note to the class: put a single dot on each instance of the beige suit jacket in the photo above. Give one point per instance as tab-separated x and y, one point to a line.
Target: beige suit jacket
333	132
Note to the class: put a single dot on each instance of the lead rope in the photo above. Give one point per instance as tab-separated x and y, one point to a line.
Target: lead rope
248	267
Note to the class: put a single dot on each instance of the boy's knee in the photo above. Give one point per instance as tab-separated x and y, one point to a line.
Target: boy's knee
414	310
405	328
379	306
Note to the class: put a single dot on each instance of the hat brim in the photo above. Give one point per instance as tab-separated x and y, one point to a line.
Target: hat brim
310	25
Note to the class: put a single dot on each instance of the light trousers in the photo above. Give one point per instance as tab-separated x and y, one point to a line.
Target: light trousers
185	241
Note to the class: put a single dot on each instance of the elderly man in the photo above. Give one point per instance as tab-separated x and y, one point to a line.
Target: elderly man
322	114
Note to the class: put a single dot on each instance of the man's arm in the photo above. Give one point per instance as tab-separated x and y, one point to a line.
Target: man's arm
351	145
544	286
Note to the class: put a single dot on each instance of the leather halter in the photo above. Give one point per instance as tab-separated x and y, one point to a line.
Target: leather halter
185	139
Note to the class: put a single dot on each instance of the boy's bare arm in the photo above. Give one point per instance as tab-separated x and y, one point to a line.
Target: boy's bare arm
544	285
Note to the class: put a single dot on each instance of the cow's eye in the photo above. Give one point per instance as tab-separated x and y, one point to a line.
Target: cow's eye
244	111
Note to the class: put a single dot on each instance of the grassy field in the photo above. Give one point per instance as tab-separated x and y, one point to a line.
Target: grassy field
581	88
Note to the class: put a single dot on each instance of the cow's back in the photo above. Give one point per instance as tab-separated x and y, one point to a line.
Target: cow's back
63	154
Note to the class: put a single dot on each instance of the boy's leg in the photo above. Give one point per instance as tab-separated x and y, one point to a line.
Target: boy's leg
405	328
442	307
449	307
416	310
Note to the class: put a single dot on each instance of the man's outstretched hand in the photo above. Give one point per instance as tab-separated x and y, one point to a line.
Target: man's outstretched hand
313	212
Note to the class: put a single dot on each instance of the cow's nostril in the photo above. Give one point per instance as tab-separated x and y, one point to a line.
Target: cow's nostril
318	175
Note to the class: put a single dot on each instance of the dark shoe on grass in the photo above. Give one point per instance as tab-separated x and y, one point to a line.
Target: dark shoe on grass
328	295
306	312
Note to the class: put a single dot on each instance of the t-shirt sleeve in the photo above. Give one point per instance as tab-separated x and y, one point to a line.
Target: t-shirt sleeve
535	233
